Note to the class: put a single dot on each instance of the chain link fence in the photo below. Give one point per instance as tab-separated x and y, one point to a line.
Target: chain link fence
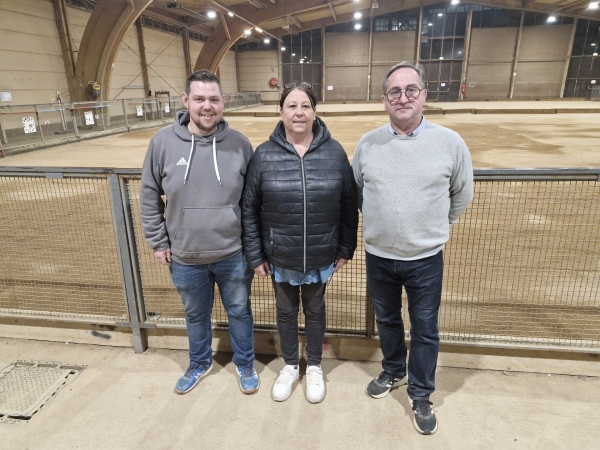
521	267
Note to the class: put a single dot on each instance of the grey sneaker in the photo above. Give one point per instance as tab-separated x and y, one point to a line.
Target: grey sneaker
424	420
382	385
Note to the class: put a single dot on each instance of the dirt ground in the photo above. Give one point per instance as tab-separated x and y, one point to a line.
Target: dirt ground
523	254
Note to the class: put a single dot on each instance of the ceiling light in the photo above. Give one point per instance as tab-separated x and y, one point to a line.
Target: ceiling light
551	19
357	26
229	13
258	29
595	54
430	24
211	14
440	14
357	15
293	54
267	40
593	44
593	5
455	2
283	49
247	32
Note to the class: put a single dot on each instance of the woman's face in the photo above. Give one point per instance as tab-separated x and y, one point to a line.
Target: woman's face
297	113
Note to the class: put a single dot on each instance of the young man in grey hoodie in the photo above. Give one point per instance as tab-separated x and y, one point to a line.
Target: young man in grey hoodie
414	180
199	165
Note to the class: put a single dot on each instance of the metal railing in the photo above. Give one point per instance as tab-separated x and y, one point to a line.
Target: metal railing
40	123
521	266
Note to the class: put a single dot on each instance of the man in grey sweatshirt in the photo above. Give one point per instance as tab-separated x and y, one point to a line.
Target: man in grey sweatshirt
199	165
414	180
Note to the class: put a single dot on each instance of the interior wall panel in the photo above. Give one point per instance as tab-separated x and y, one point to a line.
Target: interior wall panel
389	48
346	66
31	61
256	69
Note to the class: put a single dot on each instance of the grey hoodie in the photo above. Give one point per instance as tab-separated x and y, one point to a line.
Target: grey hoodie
202	179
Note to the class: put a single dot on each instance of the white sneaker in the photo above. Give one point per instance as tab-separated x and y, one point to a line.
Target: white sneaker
283	385
315	386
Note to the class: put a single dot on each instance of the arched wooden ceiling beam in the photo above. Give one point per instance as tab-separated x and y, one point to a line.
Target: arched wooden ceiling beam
101	41
218	44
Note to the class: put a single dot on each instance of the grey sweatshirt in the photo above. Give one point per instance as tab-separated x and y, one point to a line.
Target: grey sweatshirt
203	180
410	189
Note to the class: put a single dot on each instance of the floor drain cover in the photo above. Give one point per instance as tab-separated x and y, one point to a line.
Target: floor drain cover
26	385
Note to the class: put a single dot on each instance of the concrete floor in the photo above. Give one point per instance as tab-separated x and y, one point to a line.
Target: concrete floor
123	400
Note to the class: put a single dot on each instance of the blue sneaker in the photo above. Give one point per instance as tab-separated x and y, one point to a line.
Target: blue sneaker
249	382
191	377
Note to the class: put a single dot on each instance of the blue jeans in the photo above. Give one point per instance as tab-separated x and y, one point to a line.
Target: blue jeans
422	280
196	285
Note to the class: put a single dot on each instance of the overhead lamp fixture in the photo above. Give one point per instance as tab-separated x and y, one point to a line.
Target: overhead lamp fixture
594	5
455	2
229	13
551	19
211	14
357	26
283	49
430	24
258	29
440	14
175	5
293	54
593	44
267	40
595	54
357	15
248	32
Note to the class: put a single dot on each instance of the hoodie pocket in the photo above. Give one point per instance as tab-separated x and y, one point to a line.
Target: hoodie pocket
207	230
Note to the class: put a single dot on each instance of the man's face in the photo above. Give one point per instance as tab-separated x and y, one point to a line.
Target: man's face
205	103
403	112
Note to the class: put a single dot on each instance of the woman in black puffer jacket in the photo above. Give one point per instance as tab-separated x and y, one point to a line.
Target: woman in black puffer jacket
300	219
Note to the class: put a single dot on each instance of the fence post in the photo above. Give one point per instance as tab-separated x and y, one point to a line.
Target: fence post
74	118
37	116
125	114
140	341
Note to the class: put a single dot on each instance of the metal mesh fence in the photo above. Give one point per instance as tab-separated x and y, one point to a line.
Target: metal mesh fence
58	253
521	267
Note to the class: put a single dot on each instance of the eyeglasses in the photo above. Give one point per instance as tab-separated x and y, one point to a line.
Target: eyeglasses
295	84
412	93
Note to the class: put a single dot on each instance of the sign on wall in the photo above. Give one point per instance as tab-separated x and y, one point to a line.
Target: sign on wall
28	124
167	108
89	118
5	96
139	111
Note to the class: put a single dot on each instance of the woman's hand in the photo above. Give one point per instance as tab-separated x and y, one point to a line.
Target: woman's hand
339	263
264	270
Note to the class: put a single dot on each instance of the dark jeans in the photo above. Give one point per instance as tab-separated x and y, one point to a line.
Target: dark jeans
196	285
422	280
287	300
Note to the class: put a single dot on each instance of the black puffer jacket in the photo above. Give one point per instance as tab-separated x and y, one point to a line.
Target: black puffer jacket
299	213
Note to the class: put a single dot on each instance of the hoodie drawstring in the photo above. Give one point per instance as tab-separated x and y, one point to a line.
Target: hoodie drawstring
214	152
189	161
215	160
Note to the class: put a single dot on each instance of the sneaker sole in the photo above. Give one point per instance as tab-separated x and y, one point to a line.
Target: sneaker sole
426	433
206	372
397	384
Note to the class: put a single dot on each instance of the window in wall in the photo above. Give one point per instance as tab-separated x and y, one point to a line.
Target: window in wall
364	24
397	21
302	59
584	66
541	19
256	46
488	17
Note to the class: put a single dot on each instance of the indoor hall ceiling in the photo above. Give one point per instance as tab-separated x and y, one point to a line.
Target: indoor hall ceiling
309	14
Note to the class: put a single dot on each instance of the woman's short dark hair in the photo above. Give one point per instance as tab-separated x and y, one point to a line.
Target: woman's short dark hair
205	76
304	87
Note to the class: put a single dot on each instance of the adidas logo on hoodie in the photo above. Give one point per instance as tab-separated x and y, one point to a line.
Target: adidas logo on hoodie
181	162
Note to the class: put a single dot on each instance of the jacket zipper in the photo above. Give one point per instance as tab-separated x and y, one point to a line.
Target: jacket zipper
304	210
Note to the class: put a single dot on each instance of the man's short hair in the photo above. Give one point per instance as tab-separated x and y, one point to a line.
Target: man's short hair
205	76
408	65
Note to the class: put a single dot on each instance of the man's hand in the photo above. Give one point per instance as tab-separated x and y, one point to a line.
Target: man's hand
264	270
339	263
163	256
